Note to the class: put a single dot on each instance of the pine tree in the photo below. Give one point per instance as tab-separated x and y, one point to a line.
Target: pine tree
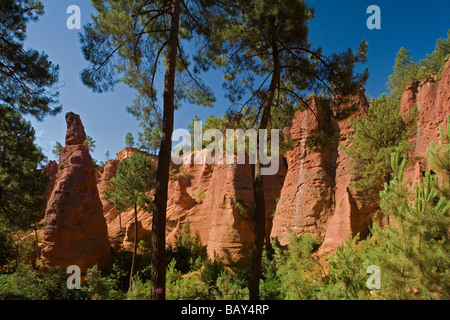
374	138
405	71
129	140
22	185
435	61
27	86
58	149
130	188
27	77
414	250
129	41
150	139
89	143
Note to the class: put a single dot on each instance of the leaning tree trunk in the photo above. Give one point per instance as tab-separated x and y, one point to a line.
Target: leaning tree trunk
260	209
133	260
158	238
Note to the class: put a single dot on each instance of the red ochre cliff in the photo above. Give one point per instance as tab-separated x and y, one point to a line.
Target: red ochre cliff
312	191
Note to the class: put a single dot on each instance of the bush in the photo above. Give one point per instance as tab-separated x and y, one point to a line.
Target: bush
188	251
28	284
100	288
140	290
230	287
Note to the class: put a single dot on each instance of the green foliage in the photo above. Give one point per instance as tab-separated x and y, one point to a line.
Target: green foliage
327	135
28	284
201	195
230	287
405	71
133	181
187	252
438	157
374	138
6	246
140	290
129	140
89	143
57	149
414	250
27	78
22	184
150	139
184	288
297	269
100	288
347	277
212	268
435	61
241	210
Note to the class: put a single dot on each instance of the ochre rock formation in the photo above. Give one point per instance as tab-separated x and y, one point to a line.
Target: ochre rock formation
51	170
351	209
433	101
312	191
109	171
75	231
307	194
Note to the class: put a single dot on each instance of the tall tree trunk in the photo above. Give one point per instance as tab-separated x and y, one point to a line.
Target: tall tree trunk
158	239
260	208
133	260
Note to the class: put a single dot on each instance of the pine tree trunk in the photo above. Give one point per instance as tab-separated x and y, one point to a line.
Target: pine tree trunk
133	261
260	208
158	238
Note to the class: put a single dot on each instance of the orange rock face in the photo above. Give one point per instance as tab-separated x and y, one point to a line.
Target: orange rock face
433	100
75	231
312	191
51	170
307	194
351	210
217	201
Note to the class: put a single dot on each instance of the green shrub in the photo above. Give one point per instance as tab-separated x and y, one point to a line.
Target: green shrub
140	290
187	252
230	287
28	284
100	288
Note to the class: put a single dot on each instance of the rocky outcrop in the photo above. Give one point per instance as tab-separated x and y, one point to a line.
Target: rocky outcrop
433	101
109	171
129	151
217	201
312	191
307	194
351	209
51	170
75	231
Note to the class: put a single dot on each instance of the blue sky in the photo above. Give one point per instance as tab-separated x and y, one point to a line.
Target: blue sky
338	25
